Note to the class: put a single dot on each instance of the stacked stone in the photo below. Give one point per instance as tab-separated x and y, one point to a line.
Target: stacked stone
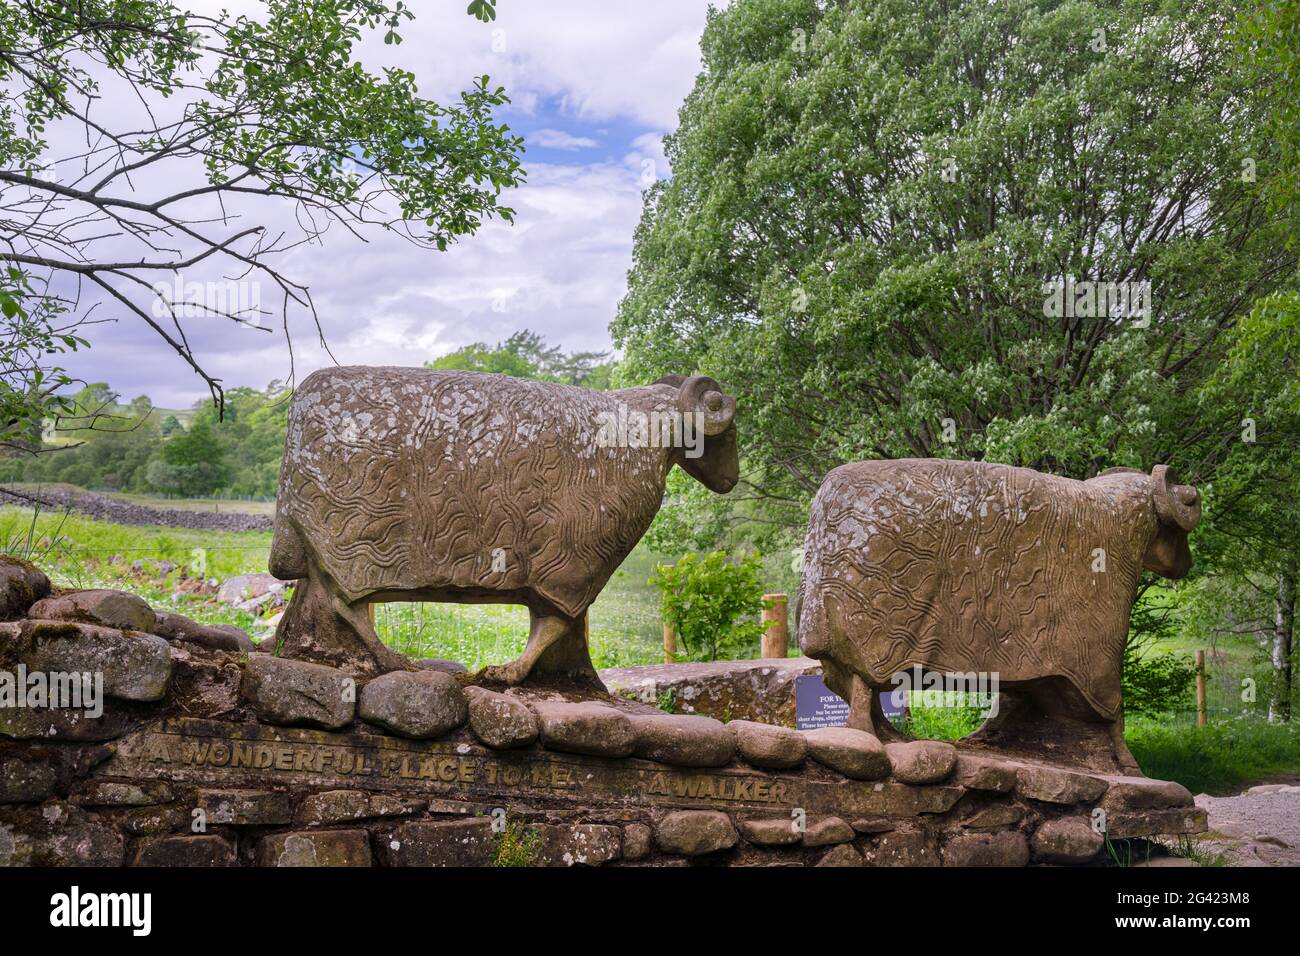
756	690
112	634
46	752
62	802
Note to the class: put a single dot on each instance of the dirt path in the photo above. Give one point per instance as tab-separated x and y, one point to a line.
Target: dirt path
1260	827
107	508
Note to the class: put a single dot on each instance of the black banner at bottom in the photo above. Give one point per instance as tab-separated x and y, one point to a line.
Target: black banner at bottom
140	906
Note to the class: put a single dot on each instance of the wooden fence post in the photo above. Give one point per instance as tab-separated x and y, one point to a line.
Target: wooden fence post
670	644
1200	689
777	637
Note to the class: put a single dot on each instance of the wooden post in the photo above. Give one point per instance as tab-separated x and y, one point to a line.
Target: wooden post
670	644
370	609
1200	689
777	637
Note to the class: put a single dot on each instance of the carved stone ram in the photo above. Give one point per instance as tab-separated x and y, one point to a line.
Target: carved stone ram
403	484
967	568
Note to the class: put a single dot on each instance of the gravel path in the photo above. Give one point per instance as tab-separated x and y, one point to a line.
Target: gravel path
1260	827
106	508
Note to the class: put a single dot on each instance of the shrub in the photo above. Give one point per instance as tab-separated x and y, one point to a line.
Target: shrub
712	604
1154	683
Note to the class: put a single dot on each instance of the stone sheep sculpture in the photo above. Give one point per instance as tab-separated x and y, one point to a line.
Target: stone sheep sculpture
970	568
407	484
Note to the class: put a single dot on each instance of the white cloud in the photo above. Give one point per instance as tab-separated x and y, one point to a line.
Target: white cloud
559	270
647	158
603	60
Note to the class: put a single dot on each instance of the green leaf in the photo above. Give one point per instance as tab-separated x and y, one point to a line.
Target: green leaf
484	10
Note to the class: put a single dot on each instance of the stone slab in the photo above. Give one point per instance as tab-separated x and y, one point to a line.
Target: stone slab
226	755
759	690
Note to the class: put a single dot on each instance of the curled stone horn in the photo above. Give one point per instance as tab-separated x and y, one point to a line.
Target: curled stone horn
702	394
1175	504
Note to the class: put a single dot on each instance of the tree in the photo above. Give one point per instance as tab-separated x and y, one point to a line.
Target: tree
1249	410
523	355
30	385
1155	681
238	118
1250	422
192	463
526	355
134	447
252	439
1269	31
872	205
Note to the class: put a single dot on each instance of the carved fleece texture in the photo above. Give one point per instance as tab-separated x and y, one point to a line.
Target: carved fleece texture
968	566
403	479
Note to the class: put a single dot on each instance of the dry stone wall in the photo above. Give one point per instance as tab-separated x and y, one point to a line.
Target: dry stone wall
204	755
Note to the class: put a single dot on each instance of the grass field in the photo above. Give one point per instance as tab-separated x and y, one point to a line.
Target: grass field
78	552
1219	758
624	627
1237	747
76	549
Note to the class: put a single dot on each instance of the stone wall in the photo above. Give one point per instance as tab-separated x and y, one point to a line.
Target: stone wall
761	690
119	511
215	755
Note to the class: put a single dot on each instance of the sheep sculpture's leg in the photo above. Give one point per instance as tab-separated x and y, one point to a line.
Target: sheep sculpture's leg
556	653
866	713
1123	756
321	627
1047	720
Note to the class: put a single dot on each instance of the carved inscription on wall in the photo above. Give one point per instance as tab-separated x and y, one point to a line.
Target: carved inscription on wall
215	753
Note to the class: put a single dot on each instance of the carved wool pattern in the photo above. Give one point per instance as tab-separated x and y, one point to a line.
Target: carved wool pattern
969	566
404	479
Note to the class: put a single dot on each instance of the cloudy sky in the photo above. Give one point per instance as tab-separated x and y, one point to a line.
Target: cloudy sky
595	86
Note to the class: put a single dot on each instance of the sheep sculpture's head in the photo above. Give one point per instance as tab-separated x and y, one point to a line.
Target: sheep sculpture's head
718	467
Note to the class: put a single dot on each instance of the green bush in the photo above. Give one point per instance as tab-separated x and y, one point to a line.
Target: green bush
712	604
1157	683
1154	682
958	713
